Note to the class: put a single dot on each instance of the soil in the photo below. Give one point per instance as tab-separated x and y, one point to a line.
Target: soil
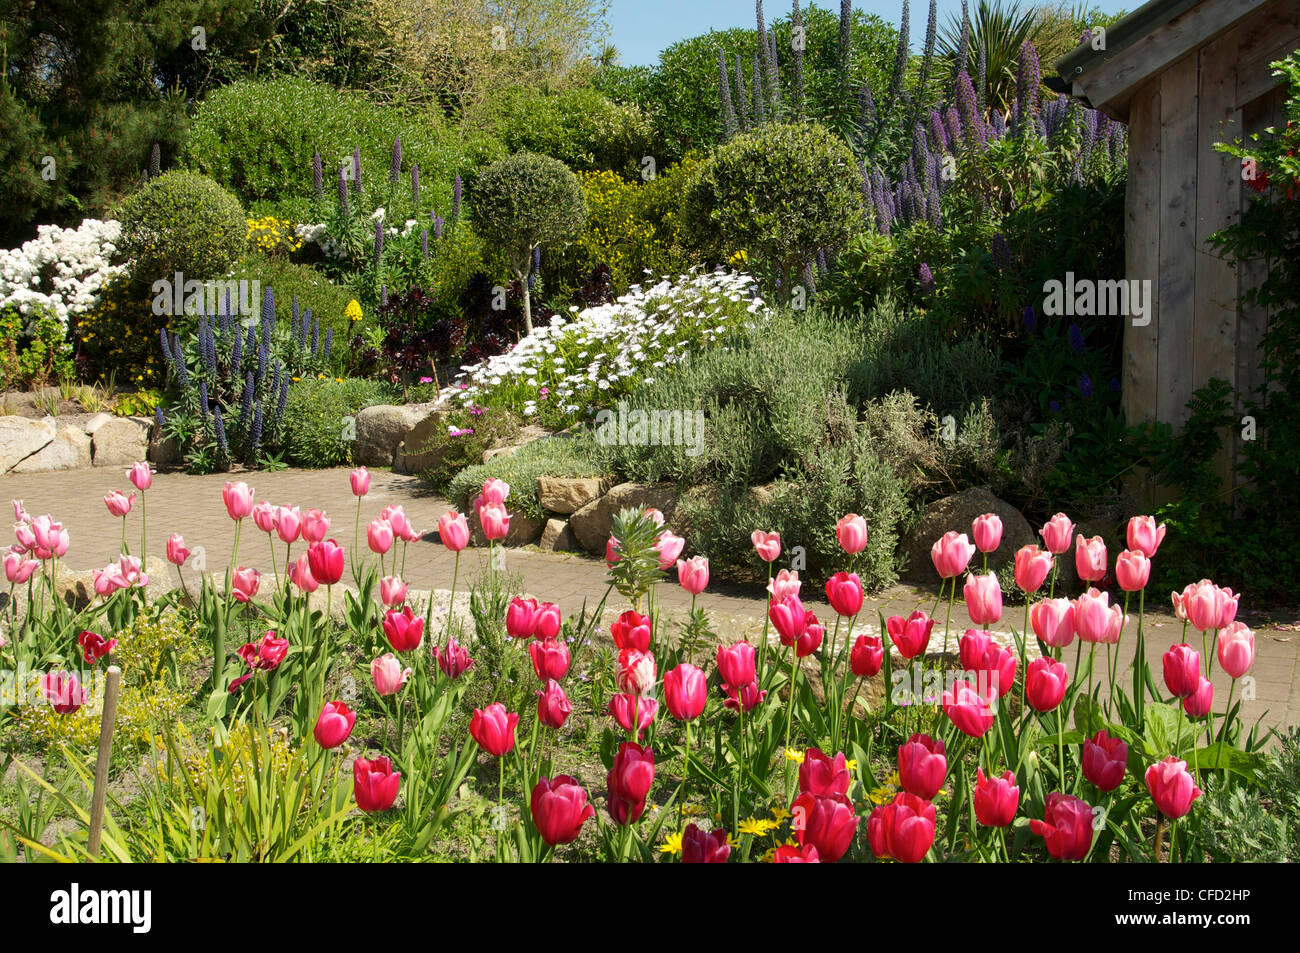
34	405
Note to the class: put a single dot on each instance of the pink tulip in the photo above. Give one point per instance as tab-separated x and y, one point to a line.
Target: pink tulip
403	629
968	710
867	656
1045	683
986	530
1236	647
1171	787
119	504
624	707
785	583
300	575
1200	702
630	630
669	548
767	545
656	515
827	822
396	517
910	635
547	621
1182	668
1203	605
388	674
559	808
787	616
1066	827
25	536
550	659
375	784
495	492
810	639
1057	533
238	499
821	774
49	538
736	663
315	524
1132	570
851	531
553	706
264	517
1227	607
141	476
495	521
1090	558
392	591
996	799
983	598
20	513
632	773
636	672
1144	535
244	583
1053	621
903	829
334	725
1104	760
994	665
18	568
685	692
494	729
1032	567
288	523
922	766
453	530
63	691
266	655
379	536
951	554
453	660
693	574
521	618
326	561
844	593
747	697
360	478
1096	620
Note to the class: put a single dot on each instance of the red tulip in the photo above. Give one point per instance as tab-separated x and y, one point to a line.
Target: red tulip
1045	683
1053	621
867	656
996	799
904	828
821	774
94	646
550	659
699	847
736	663
685	692
1201	702
547	622
375	784
1144	535
404	629
521	618
951	554
1171	787
844	593
63	691
265	655
326	561
983	598
851	531
453	660
1066	827
1236	649
611	551
910	635
553	706
789	854
494	729
238	499
631	630
747	697
986	530
623	811
453	530
767	545
968	710
623	708
334	725
810	639
632	773
827	822
1103	761
1057	533
559	807
1182	665
922	766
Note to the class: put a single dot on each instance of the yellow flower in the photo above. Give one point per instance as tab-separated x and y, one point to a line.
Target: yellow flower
756	828
353	311
780	813
672	844
792	754
690	810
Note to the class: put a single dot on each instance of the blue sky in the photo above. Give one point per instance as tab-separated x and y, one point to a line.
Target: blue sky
641	28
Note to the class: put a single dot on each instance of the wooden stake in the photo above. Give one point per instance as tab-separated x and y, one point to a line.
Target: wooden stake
111	694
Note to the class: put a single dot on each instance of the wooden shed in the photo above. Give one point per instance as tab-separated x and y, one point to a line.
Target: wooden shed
1185	74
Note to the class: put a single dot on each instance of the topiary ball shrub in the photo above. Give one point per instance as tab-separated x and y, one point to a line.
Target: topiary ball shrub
182	222
779	193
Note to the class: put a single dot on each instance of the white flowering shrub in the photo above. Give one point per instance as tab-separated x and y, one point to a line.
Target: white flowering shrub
62	271
564	370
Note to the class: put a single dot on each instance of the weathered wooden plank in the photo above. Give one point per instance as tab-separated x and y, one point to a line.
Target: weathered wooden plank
1116	78
1267	36
1177	282
1218	204
1142	251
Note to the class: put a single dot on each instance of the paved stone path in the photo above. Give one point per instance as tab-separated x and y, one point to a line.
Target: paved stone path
192	505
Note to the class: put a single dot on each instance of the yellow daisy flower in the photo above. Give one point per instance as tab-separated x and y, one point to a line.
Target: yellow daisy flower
672	844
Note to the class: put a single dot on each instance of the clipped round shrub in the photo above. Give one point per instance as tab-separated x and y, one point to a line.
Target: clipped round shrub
779	193
183	222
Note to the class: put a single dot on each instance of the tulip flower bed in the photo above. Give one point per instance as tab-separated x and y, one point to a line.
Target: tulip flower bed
401	731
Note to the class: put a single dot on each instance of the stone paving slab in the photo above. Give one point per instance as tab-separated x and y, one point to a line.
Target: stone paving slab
192	505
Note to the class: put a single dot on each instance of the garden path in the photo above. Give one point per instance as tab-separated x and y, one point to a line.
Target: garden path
192	505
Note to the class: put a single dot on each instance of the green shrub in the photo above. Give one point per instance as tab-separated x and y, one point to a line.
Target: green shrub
579	126
327	300
183	222
780	193
317	432
562	455
469	432
520	203
43	357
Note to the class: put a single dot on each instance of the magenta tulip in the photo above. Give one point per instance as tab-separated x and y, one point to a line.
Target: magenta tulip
453	660
827	822
326	561
1201	702
559	808
867	656
700	847
996	798
403	629
844	593
968	710
911	635
375	784
553	706
1066	827
685	692
550	659
736	663
922	765
634	713
819	773
1182	667
334	725
1171	787
1104	760
1045	683
494	729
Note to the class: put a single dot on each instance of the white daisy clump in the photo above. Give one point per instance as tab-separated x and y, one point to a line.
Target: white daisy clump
62	271
319	235
599	353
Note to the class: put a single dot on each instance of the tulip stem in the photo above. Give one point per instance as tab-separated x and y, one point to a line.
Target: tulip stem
767	618
1060	744
1160	835
686	775
948	621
